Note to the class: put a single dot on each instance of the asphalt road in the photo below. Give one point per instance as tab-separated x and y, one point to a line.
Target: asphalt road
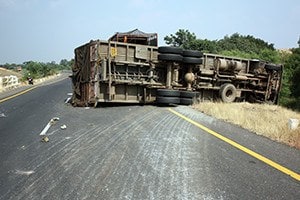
132	152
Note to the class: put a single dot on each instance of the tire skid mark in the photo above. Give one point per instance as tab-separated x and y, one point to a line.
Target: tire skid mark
164	166
52	155
94	139
113	170
70	144
138	123
143	153
96	131
104	151
99	151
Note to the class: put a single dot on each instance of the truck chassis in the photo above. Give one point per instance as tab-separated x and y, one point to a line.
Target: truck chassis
118	72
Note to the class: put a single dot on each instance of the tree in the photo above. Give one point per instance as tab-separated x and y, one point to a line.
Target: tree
294	64
182	38
290	92
64	62
234	45
248	44
209	46
39	69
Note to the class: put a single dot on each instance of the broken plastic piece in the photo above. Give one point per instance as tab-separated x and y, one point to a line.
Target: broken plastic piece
68	100
293	123
27	173
63	127
45	139
50	123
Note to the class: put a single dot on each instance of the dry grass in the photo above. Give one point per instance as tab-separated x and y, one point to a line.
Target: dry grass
268	120
6	72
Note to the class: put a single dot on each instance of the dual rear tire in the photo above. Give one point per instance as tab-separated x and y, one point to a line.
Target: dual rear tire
165	97
171	54
176	54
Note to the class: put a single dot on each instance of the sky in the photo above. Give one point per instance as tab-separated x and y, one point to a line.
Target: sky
50	30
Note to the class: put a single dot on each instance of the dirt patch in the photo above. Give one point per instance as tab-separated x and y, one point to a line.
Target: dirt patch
268	120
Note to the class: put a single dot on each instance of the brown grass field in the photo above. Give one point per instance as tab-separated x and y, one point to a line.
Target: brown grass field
6	72
267	120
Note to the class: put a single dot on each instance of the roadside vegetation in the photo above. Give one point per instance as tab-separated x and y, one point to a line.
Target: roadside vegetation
37	70
267	120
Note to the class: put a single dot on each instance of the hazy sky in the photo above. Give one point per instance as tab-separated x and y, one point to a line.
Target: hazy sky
49	30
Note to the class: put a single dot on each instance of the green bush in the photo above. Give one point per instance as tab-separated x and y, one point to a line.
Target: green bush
38	69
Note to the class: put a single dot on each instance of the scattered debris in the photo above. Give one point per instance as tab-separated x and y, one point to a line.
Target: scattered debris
44	131
68	100
50	123
27	173
2	115
45	139
293	123
63	127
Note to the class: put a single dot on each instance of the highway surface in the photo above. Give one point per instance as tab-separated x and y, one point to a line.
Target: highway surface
134	152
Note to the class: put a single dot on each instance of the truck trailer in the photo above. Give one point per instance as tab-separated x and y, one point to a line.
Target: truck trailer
130	68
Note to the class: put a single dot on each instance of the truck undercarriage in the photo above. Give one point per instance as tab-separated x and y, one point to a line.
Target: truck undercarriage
113	71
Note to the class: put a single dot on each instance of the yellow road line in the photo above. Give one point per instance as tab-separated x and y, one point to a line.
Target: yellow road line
240	147
18	94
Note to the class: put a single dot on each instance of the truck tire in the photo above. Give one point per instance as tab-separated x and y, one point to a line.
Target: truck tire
228	93
188	94
186	101
170	57
191	60
192	53
172	50
273	67
167	100
167	93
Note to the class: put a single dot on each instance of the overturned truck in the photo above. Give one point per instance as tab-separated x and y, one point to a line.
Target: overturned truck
118	71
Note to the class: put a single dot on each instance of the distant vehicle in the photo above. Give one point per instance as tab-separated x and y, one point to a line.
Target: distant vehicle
130	68
30	81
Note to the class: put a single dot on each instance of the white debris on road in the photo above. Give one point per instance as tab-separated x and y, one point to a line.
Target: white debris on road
50	123
27	173
68	100
63	127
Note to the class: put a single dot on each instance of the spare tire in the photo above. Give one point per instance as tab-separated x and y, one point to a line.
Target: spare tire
172	50
192	53
228	93
170	57
273	67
